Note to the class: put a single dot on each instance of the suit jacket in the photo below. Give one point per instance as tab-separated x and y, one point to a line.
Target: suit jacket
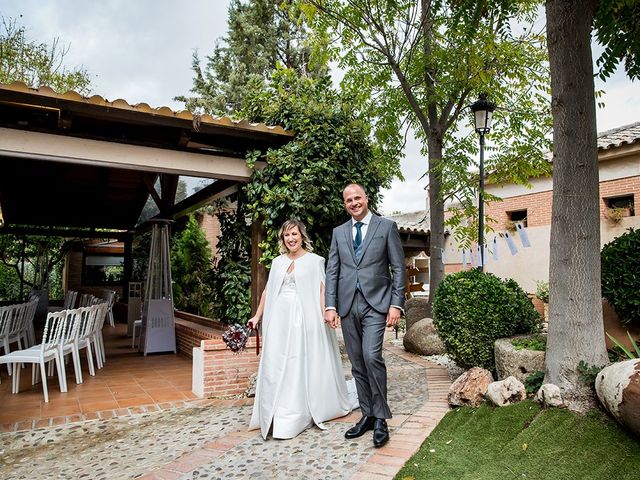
380	270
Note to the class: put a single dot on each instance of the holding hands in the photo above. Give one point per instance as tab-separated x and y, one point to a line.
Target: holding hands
331	318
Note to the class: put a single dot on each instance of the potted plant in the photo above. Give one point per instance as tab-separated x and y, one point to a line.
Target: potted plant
616	214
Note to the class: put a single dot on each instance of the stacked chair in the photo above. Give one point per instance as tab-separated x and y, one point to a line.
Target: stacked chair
66	332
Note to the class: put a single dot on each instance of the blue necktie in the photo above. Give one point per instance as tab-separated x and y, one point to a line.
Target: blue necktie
357	242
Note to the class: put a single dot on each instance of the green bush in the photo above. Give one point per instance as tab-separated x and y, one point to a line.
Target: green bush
621	276
473	309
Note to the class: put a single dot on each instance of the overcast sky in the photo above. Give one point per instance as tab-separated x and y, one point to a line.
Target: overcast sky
140	50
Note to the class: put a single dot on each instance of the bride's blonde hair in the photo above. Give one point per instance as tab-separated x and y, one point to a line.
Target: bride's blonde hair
288	225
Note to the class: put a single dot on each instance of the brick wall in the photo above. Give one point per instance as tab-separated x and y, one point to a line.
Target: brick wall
211	227
217	371
621	186
224	372
538	205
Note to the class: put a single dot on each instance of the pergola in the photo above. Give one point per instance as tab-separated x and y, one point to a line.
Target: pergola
84	167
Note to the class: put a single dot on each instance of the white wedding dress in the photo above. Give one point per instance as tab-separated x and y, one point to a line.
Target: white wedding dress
300	379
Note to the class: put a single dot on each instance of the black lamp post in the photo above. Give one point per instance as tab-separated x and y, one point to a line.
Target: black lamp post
483	111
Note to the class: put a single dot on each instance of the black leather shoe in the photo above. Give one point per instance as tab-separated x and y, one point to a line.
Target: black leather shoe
364	425
380	432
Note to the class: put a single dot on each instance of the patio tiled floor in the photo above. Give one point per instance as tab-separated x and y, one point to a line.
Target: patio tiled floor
129	380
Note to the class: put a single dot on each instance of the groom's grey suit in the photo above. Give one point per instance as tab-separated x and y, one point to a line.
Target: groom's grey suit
361	289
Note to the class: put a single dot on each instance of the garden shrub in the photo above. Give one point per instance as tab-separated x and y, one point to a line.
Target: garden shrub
473	309
621	276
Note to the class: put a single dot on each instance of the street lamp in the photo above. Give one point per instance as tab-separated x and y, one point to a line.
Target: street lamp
483	111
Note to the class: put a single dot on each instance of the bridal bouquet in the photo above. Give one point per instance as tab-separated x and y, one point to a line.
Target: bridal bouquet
236	336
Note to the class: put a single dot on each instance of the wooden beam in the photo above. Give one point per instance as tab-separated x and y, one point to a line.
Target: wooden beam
149	181
218	189
63	232
258	272
168	187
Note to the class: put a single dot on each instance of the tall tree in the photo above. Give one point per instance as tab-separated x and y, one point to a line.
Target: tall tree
421	63
37	64
31	259
575	303
262	34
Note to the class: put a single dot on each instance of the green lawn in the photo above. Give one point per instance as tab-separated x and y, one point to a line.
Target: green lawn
522	441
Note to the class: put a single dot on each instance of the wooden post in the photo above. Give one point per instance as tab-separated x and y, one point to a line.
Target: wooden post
258	272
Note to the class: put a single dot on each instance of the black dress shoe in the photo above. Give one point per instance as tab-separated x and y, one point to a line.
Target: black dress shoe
380	432
364	425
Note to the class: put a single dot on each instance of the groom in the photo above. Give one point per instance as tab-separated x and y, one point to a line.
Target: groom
364	290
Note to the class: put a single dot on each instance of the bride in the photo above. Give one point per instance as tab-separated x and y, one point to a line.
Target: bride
300	378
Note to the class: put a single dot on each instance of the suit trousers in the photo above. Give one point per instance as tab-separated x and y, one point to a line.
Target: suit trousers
363	331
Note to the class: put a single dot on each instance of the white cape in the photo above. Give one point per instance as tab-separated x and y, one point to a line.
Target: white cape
324	386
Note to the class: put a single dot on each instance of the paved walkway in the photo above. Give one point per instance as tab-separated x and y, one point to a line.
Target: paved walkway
208	439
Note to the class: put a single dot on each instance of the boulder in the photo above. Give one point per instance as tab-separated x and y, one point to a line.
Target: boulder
516	363
550	395
470	387
422	338
505	392
415	309
618	389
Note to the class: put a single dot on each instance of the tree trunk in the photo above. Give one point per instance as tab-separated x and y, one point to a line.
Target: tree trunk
575	306
436	216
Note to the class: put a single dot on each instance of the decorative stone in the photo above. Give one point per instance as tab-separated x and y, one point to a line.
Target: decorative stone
416	309
470	387
422	338
550	395
516	363
251	390
618	389
505	392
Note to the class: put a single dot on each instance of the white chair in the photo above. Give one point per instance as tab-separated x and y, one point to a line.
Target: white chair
19	331
69	300
6	319
31	314
137	326
67	345
110	298
96	336
41	354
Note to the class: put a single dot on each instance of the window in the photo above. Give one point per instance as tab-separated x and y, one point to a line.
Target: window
103	269
624	202
518	216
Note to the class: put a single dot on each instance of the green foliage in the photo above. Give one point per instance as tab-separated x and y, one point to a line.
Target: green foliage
304	178
621	276
533	382
525	441
629	354
588	373
617	27
542	291
32	258
191	270
473	309
538	343
37	64
232	269
262	35
418	65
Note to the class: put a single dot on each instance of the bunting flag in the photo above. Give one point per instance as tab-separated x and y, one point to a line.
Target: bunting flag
486	254
510	243
442	256
495	249
464	258
524	238
479	253
474	262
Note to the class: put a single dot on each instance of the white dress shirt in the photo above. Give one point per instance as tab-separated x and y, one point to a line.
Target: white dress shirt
366	220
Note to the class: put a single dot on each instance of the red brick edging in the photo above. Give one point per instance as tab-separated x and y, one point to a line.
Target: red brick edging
409	433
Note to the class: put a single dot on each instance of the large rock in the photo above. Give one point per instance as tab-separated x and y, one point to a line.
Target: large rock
470	387
618	389
550	395
416	309
422	338
505	392
516	363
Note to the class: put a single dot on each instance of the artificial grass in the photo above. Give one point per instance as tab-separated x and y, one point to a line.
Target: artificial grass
524	441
